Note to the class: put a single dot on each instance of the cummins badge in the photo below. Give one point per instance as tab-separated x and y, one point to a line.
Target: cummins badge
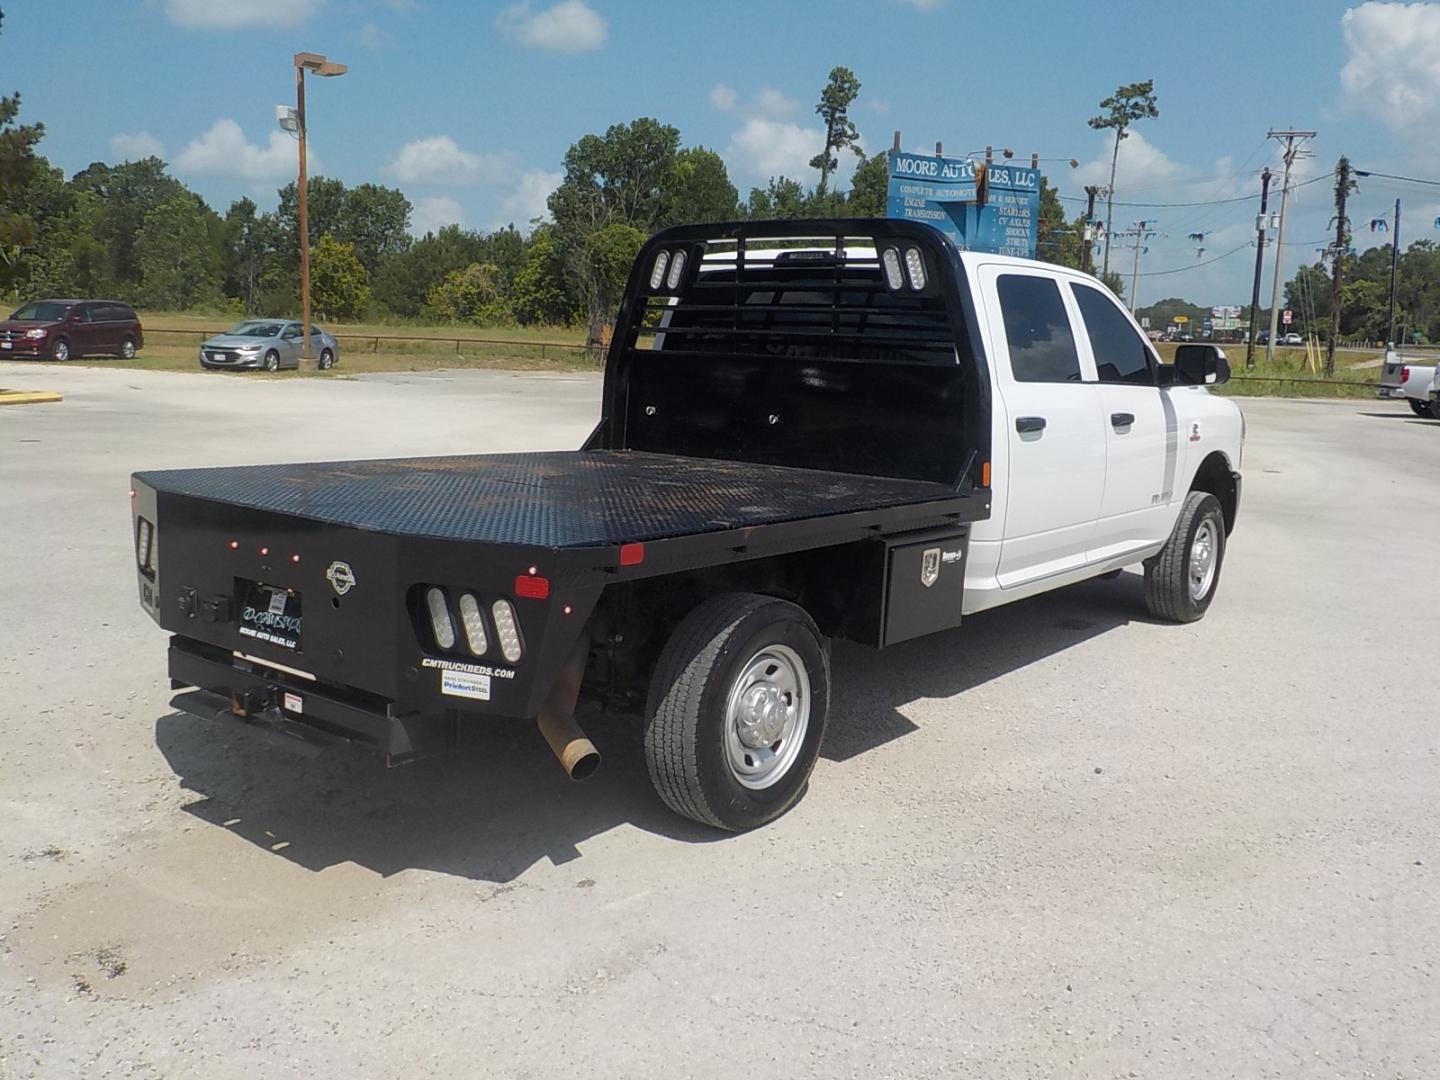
930	567
341	577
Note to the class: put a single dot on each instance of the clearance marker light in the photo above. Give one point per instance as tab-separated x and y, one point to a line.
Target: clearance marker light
234	545
632	554
295	558
985	475
532	588
264	551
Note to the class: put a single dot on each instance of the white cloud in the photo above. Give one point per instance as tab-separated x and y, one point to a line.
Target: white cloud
1393	70
763	148
432	214
439	160
224	151
878	106
569	26
723	98
136	146
1142	165
771	102
372	36
229	14
528	201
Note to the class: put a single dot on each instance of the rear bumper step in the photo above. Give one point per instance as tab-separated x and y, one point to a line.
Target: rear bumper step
296	709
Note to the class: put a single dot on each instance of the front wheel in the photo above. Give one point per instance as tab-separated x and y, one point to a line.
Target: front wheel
272	361
1421	408
736	711
60	350
327	360
1180	582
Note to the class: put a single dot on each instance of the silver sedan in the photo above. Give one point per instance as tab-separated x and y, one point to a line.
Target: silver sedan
268	345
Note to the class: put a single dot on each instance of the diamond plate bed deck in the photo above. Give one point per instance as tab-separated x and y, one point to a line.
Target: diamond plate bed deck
553	500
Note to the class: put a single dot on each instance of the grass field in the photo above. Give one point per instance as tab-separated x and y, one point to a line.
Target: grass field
172	341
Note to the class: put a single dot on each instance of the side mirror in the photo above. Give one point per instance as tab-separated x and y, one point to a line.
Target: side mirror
1201	365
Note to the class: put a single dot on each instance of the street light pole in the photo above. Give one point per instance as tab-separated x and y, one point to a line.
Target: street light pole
307	61
306	352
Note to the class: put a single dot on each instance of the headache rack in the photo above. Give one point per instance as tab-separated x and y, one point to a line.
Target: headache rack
842	345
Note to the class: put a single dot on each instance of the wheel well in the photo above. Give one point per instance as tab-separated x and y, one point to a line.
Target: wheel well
1214	476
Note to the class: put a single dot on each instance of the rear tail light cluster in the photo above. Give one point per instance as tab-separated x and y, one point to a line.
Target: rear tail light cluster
145	546
668	271
900	269
465	624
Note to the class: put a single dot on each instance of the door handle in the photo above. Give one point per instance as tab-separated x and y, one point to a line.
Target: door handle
1121	419
1026	424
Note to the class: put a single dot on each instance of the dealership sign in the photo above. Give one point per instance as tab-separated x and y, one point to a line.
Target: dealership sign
994	208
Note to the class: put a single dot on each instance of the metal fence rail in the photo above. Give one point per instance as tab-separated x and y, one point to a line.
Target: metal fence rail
375	339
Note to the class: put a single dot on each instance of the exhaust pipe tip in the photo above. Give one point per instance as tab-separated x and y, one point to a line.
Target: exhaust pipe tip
586	765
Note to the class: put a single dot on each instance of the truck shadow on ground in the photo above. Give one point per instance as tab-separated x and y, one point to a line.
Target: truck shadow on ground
494	810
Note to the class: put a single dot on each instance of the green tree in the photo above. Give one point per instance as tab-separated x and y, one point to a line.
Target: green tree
18	167
376	220
608	255
249	244
404	280
537	293
1130	102
324	208
869	189
618	179
471	295
338	288
174	257
700	190
1057	240
68	260
782	199
834	108
129	193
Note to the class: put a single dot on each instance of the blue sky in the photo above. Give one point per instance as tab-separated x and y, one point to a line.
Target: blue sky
469	106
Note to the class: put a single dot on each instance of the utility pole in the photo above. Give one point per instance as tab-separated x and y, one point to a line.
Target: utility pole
313	62
1292	151
1087	250
1394	266
1343	184
1259	268
1139	234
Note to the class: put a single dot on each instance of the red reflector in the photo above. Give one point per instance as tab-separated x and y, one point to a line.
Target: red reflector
532	588
632	554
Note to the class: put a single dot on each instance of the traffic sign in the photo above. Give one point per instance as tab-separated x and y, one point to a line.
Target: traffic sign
1285	316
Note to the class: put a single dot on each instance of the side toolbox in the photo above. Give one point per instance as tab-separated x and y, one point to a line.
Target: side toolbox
914	585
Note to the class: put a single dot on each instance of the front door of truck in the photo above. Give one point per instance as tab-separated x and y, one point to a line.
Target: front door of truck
1139	423
1054	472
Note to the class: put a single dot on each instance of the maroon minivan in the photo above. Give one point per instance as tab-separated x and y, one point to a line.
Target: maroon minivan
60	329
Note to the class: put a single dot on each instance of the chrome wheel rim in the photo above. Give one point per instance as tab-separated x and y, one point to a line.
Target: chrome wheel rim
62	351
1204	557
326	360
272	363
767	715
127	350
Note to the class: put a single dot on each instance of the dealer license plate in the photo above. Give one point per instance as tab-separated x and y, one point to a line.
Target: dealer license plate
271	614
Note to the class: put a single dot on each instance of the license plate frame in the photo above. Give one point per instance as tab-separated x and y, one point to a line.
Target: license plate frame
271	613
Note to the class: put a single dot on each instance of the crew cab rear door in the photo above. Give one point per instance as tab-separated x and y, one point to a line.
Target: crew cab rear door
1139	424
1048	417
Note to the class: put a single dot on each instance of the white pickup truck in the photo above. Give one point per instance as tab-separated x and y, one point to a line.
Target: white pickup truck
1418	383
809	430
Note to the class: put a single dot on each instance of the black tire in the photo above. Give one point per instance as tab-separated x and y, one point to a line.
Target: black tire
127	349
327	359
60	350
1421	408
687	719
1169	589
272	361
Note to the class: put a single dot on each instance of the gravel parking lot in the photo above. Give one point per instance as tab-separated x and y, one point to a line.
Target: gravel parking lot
1060	841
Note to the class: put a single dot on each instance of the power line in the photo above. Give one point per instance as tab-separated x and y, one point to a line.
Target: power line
1215	202
1392	176
1196	266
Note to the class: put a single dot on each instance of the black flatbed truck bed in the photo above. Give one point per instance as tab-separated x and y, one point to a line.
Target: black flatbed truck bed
816	464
